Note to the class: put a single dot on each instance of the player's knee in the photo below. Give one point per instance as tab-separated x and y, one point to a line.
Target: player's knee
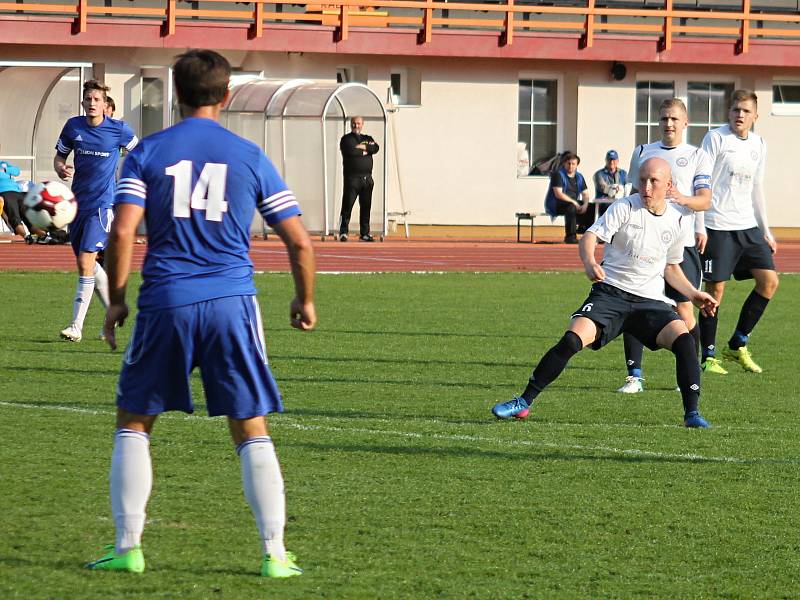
569	344
683	345
768	285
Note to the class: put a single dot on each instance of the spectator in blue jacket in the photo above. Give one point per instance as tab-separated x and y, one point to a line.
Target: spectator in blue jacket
568	195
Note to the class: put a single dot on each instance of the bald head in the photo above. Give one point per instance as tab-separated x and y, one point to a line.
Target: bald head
655	181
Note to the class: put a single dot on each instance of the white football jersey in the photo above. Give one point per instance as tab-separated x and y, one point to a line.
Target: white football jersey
639	245
738	165
691	171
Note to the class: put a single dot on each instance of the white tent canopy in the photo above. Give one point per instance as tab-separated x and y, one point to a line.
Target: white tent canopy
299	123
36	98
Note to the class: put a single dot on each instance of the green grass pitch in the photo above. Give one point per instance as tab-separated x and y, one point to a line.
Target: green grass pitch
400	484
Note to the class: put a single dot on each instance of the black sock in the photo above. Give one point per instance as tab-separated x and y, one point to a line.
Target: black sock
752	309
695	333
551	365
708	334
687	371
634	350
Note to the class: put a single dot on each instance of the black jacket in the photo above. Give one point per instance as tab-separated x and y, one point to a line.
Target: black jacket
356	163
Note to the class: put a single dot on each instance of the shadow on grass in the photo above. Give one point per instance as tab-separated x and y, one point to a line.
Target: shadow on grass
400	360
526	455
80	347
390	333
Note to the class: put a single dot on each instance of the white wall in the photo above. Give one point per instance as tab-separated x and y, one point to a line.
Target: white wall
457	151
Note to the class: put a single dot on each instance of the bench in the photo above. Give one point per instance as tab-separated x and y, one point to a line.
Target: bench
530	219
400	214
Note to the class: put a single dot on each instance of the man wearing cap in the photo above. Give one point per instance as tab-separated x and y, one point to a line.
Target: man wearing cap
609	182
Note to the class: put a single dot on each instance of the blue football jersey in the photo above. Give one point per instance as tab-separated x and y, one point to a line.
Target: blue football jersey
96	157
200	185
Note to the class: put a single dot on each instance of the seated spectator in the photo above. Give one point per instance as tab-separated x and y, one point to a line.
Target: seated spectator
13	206
567	195
609	182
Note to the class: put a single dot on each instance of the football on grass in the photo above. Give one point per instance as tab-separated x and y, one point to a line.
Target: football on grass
50	205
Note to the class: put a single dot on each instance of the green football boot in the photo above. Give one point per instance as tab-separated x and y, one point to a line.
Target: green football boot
713	365
272	567
742	356
131	561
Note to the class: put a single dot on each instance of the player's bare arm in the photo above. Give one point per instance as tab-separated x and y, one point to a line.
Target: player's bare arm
62	169
303	314
699	202
673	274
118	266
591	267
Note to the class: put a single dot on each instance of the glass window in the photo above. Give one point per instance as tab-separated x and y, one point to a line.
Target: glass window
708	105
786	98
649	96
406	86
537	119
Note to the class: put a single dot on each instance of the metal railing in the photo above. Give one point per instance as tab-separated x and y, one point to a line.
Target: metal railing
584	20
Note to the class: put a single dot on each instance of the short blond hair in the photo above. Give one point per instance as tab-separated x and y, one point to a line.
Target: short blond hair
673	103
743	96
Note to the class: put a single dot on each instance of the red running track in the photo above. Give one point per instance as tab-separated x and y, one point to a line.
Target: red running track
393	255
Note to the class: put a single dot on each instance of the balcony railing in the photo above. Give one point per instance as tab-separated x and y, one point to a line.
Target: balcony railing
740	21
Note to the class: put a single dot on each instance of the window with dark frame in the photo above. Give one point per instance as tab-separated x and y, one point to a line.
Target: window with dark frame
537	119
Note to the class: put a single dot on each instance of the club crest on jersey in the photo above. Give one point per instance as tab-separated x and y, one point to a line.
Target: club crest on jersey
754	156
666	237
682	161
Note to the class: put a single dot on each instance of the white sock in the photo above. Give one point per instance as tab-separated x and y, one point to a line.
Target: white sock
101	285
263	488
83	296
131	480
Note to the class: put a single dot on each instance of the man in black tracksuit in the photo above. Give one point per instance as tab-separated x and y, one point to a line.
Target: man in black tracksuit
357	150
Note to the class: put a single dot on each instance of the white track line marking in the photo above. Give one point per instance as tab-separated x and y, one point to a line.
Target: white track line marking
321	255
288	422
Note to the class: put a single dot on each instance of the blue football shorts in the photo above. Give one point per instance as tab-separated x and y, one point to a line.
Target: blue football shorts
89	231
223	337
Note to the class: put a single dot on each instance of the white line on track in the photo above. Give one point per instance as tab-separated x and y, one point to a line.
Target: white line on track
292	424
323	255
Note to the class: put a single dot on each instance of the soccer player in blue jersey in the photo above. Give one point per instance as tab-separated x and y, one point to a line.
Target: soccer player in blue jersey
197	186
96	140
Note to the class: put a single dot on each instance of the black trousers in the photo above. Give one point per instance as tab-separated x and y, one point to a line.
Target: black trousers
14	209
356	187
569	210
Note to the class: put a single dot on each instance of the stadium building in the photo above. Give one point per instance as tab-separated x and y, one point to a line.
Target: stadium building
464	99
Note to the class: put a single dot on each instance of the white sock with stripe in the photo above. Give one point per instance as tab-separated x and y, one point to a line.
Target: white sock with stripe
131	480
83	296
263	488
101	285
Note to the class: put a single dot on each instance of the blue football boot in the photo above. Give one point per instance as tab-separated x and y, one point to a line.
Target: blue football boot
517	408
693	419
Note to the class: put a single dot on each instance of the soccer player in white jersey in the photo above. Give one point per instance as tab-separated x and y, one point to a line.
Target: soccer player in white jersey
644	247
197	185
691	191
96	140
740	243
